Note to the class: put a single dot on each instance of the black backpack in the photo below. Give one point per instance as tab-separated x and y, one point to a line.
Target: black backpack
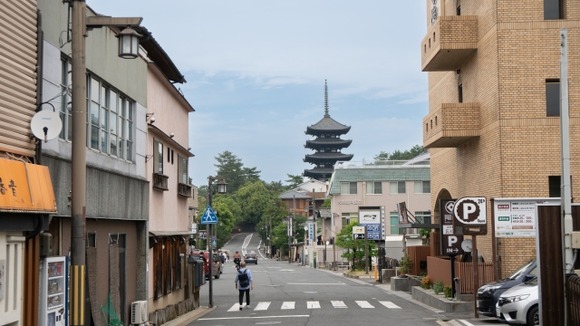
243	278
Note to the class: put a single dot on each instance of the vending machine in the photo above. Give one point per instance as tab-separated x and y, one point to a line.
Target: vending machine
53	303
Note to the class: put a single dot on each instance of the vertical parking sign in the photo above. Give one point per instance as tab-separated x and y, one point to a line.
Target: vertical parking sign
450	240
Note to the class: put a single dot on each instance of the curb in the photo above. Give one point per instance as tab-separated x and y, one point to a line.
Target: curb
189	317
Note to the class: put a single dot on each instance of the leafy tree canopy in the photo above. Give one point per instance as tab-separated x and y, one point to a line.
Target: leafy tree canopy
294	181
231	168
400	155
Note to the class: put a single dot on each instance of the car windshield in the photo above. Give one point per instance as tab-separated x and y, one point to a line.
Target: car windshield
521	270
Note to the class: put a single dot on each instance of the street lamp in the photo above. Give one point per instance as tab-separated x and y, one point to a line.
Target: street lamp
222	188
80	23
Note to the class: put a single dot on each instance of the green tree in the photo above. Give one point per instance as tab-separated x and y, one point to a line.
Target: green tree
231	168
355	249
253	198
400	155
294	181
280	232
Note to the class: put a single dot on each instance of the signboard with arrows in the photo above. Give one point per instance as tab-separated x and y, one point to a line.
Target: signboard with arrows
450	240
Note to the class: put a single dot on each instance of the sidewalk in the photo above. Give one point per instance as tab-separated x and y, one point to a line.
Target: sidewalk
189	317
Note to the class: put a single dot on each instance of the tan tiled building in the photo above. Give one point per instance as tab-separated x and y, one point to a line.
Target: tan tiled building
493	127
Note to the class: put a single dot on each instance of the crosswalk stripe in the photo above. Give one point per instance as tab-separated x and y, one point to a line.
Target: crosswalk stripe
262	306
288	305
338	304
235	307
389	305
312	305
364	304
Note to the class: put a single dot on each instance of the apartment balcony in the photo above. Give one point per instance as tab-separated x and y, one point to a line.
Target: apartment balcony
449	43
160	181
184	190
451	125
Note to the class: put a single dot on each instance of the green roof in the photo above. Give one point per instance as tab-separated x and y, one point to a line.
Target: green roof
378	173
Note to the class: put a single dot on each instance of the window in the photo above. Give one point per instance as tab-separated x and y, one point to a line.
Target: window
553	9
394	218
348	188
182	165
460	89
157	157
555	186
552	97
397	187
65	103
347	218
110	127
422	187
423	217
374	187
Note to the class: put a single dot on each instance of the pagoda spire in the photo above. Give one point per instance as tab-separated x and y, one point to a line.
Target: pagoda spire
326	114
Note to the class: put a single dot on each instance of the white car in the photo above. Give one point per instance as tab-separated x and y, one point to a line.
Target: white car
519	305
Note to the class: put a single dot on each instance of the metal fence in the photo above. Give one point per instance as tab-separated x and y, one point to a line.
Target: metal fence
573	294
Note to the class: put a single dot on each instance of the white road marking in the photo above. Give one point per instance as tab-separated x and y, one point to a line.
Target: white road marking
262	306
364	304
338	304
288	305
389	305
312	305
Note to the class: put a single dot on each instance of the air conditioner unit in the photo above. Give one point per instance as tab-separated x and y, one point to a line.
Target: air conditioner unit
139	312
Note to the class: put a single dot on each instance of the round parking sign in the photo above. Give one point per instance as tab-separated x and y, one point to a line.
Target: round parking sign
470	211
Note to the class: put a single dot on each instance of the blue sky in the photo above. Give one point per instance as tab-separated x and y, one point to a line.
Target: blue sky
255	74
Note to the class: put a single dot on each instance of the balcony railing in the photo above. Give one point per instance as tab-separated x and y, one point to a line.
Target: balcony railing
451	125
160	181
449	42
184	190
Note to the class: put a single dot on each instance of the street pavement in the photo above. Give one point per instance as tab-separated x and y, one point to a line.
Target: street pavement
446	318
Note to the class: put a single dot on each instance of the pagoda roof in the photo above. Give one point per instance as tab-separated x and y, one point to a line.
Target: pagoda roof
331	142
327	125
318	173
332	156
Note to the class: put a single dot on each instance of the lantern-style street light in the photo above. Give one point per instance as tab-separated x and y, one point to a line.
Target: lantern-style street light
80	23
222	188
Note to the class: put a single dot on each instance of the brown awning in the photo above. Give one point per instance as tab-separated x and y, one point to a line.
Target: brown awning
25	187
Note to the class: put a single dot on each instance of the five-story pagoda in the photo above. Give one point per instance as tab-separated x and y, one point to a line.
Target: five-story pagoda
327	144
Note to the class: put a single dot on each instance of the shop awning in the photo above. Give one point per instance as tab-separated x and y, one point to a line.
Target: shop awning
168	233
25	187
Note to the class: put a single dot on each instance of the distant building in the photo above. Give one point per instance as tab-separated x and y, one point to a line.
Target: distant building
327	144
356	189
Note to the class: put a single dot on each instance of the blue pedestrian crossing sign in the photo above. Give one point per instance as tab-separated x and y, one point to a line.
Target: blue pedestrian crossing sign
209	216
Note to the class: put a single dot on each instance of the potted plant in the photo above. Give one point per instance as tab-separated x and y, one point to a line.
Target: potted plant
405	266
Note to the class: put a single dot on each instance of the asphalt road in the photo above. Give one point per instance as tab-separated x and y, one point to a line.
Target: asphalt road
290	294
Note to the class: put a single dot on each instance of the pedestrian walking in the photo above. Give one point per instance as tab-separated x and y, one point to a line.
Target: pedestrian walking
244	283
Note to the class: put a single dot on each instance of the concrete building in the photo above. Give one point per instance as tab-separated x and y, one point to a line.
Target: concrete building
27	198
136	169
371	194
493	127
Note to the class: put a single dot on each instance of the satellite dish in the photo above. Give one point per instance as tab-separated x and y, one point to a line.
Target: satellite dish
466	245
46	125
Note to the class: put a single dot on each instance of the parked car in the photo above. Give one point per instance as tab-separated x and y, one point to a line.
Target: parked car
519	305
488	294
217	264
251	258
